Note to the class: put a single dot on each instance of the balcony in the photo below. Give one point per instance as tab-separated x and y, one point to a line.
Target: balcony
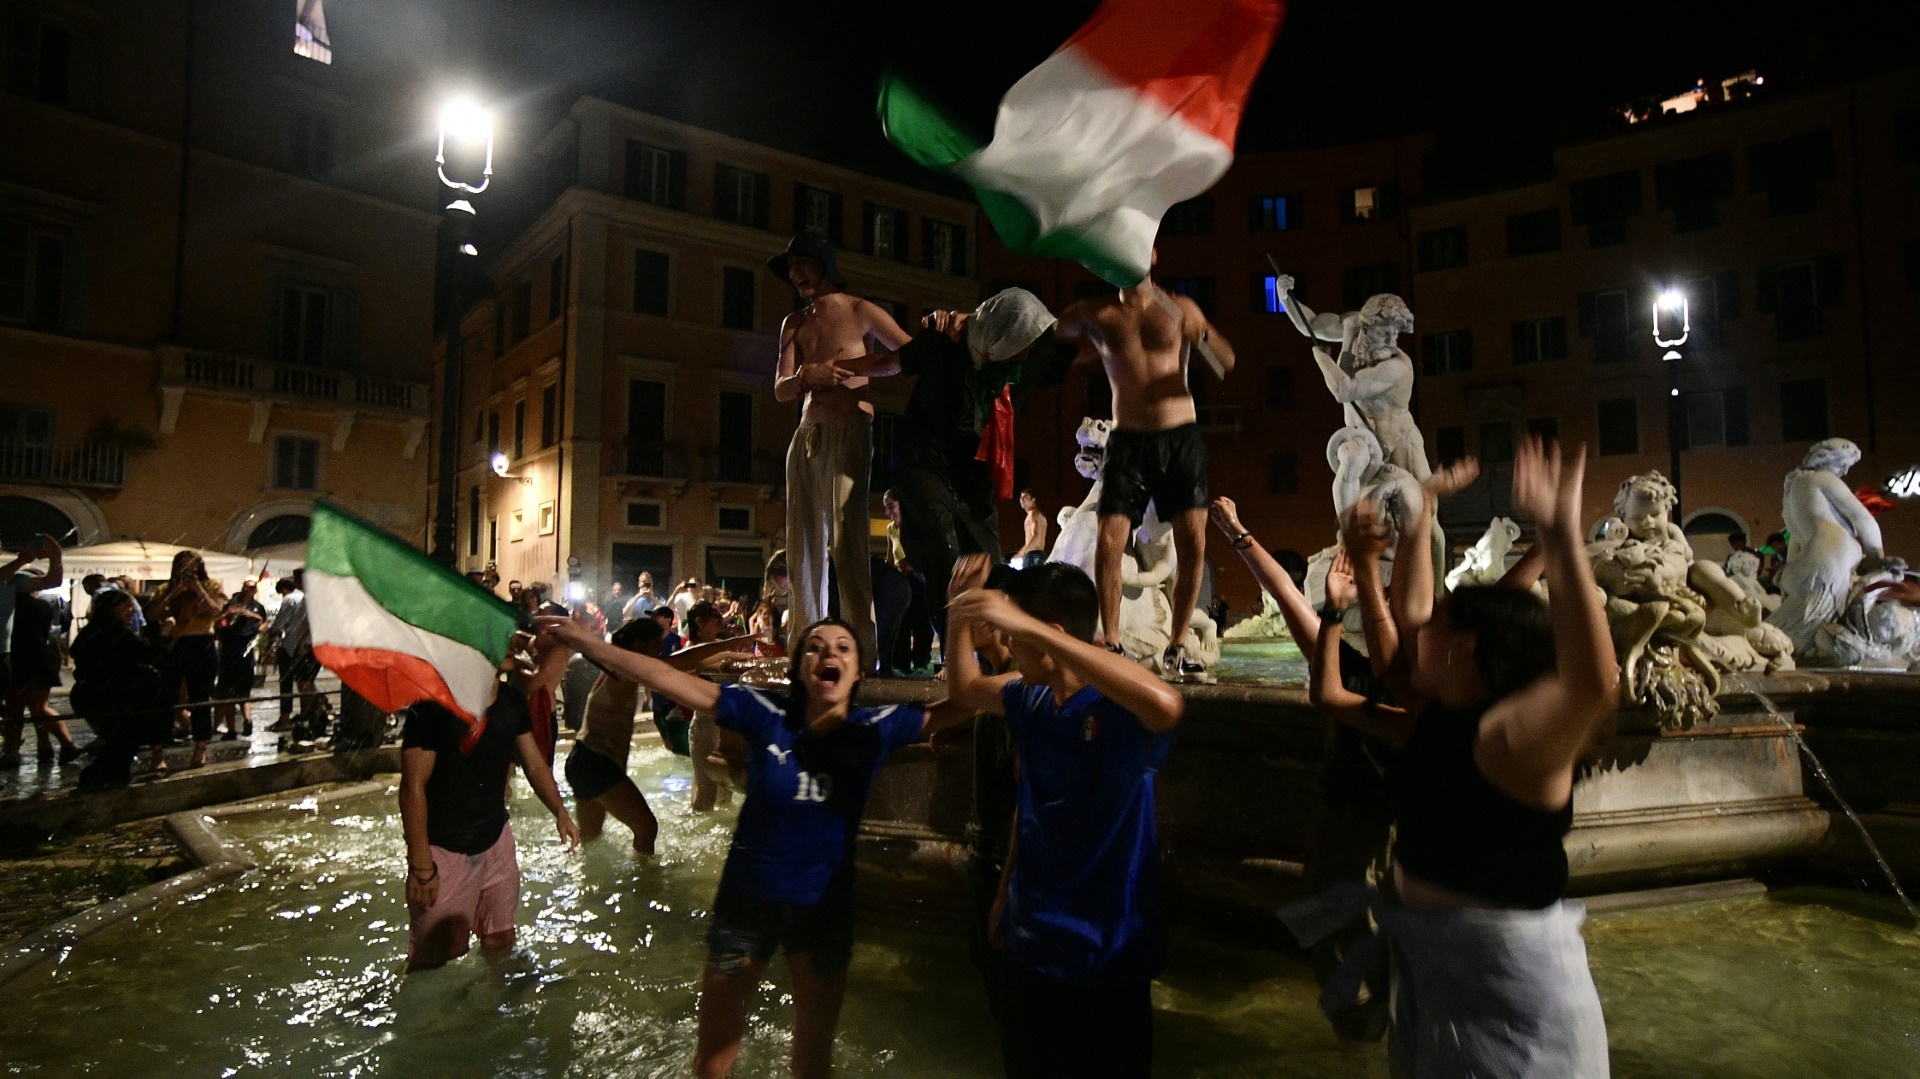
87	464
721	465
265	383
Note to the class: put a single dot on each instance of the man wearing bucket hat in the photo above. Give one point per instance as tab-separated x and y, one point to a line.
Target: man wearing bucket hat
831	456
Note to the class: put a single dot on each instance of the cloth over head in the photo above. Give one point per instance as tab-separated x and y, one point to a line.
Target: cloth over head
1010	320
814	246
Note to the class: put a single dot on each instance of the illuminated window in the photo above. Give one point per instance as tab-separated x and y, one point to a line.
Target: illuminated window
1363	204
1274	213
1266	297
310	31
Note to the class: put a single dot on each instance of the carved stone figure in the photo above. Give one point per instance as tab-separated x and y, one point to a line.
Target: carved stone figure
1268	625
1486	561
1736	636
1743	569
1875	629
1643	566
1080	525
1833	536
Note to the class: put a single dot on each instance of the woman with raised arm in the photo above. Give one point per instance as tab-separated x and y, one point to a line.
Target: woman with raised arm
1500	698
788	881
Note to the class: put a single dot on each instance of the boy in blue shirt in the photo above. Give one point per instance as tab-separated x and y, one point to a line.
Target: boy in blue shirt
1080	909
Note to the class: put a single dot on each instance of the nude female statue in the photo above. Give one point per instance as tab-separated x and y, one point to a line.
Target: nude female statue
1833	534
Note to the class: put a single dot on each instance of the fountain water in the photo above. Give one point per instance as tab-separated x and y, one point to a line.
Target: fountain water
1833	790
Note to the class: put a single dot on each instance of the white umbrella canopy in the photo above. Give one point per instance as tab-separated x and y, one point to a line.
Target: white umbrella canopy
147	561
278	560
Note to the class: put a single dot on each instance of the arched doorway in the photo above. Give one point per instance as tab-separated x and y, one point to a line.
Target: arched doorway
1708	530
269	524
274	531
22	518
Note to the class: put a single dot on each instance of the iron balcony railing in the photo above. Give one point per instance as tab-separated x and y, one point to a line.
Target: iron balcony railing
89	464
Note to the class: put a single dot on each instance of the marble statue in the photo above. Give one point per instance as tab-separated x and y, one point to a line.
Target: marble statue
1486	561
1268	625
1833	537
1147	566
1743	569
1643	564
1737	635
1080	525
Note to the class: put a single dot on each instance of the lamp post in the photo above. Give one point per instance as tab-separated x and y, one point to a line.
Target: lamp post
469	127
1670	330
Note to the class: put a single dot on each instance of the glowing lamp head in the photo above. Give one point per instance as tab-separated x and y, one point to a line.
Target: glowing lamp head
463	119
499	465
576	591
1671	300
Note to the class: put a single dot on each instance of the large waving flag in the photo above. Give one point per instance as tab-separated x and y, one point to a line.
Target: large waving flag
396	626
1134	113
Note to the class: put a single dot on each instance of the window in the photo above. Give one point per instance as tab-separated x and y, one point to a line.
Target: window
1266	297
473	522
1796	295
1619	427
1283	474
1534	233
522	311
310	31
734	519
1538	340
546	518
646	427
33	269
1194	217
740	196
549	415
656	175
736	298
1360	283
736	437
886	232
1789	171
1606	317
1448	353
296	463
650	278
305	313
42	61
1713	418
310	144
1279	387
1544	428
1711	301
519	429
556	287
816	210
645	514
1274	213
1602	204
26	441
943	246
1197	289
1359	205
1443	249
493	539
1449	444
1691	187
493	432
1803	410
517	526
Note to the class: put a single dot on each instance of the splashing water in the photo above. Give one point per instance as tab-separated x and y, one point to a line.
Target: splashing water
1834	790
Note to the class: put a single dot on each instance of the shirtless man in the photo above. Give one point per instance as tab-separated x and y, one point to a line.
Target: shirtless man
1034	550
1142	337
832	452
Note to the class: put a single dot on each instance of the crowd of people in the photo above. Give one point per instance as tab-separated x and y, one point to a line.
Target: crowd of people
1476	706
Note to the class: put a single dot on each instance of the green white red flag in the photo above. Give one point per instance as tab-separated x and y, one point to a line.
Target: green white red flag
396	626
1134	113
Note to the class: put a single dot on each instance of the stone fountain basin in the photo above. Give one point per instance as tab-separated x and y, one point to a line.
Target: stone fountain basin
1244	795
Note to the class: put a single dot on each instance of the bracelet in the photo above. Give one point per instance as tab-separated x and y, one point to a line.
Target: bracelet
1242	541
1330	613
433	872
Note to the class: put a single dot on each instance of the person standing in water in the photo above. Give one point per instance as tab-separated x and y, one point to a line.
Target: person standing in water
1034	550
831	458
788	881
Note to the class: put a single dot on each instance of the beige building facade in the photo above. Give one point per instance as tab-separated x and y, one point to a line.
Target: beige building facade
623	367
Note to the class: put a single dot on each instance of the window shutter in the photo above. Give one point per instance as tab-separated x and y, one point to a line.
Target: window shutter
959	249
343	336
1588	314
926	243
866	228
799	207
722	205
1827	288
901	222
836	235
1766	290
1734	402
1640	308
676	180
1726	295
762	192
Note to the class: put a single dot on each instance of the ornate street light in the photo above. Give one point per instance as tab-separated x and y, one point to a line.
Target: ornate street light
469	127
1671	328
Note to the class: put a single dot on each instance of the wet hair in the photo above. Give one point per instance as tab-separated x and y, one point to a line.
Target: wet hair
640	635
1512	635
796	692
1060	593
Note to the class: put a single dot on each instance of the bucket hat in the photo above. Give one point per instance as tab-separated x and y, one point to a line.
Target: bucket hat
814	246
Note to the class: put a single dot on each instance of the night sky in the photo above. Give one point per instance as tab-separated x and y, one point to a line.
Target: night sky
1500	83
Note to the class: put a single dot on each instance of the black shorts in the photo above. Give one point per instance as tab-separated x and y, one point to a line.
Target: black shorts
236	676
34	668
592	773
1167	468
747	928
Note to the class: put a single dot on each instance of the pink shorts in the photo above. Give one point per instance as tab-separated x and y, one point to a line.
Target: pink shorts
479	893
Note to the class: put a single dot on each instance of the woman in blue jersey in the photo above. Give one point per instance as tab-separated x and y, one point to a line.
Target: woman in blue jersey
788	882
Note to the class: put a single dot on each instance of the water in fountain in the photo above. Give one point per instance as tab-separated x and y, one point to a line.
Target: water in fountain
1833	790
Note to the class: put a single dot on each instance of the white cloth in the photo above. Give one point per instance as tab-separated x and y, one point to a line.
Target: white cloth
1007	322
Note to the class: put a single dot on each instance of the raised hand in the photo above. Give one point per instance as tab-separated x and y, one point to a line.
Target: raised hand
989	606
1226	516
1341	591
1364	534
969	573
1546	489
1450	480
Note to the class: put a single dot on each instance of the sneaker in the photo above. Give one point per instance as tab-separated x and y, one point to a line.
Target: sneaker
1116	649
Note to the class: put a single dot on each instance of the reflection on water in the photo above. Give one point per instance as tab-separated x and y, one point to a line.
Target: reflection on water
1261	661
296	970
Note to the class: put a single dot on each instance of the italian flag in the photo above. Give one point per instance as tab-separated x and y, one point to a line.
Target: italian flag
1134	113
396	626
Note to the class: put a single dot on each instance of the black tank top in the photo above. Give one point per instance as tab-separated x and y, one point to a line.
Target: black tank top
1459	831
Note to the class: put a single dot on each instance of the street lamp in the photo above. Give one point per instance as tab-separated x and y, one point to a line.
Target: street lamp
499	465
470	129
1671	327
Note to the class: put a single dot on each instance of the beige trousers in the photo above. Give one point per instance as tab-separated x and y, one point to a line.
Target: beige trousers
828	466
711	783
